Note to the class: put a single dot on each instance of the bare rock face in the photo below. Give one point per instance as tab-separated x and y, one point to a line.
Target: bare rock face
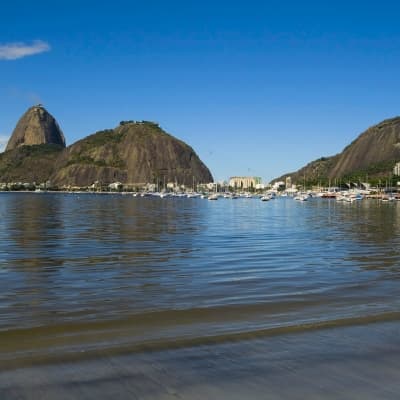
377	144
36	126
372	153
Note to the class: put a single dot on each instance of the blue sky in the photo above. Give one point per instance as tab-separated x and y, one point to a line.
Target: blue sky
256	87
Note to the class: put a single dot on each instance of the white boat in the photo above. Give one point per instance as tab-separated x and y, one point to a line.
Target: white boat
353	197
301	197
265	198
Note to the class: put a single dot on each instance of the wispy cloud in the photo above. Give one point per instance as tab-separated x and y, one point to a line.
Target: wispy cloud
31	97
3	142
13	51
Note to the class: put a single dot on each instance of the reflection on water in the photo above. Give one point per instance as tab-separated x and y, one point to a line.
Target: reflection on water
112	270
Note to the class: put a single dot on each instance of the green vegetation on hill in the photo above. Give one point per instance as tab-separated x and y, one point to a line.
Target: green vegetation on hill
374	173
101	138
29	163
139	123
85	153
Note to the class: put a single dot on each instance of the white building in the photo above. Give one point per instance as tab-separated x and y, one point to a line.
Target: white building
396	169
115	186
244	182
278	185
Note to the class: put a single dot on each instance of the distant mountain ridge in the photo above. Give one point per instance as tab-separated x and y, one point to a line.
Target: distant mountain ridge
132	153
372	154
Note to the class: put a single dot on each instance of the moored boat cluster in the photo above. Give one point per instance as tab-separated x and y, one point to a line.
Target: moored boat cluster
343	196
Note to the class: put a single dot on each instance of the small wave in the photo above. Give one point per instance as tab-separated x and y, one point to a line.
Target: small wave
58	344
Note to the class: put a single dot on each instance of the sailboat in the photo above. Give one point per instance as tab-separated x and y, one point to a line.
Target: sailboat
302	196
214	196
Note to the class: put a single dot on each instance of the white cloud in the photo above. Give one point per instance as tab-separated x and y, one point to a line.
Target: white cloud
12	51
3	142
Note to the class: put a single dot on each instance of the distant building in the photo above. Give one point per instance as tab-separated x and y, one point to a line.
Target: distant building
278	185
244	182
396	169
115	186
288	182
150	187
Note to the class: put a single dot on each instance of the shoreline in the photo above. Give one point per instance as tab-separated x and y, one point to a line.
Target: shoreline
357	362
80	342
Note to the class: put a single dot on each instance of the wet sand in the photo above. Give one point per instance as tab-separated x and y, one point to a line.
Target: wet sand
357	362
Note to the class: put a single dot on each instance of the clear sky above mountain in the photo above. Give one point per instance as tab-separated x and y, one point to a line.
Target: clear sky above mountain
256	87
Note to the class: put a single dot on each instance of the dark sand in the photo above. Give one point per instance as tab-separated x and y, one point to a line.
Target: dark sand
359	362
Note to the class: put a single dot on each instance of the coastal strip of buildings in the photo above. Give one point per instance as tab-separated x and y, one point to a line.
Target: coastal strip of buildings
234	184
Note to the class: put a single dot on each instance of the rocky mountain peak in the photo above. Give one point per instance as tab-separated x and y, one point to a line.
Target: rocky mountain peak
36	126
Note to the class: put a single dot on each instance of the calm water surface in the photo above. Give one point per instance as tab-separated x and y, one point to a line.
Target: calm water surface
86	273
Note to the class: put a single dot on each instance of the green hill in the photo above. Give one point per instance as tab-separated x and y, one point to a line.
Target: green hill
371	156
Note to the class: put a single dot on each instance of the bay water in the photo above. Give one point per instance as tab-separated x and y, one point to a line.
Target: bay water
88	274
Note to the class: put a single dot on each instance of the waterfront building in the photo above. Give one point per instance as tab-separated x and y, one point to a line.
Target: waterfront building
244	182
115	186
396	169
278	185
